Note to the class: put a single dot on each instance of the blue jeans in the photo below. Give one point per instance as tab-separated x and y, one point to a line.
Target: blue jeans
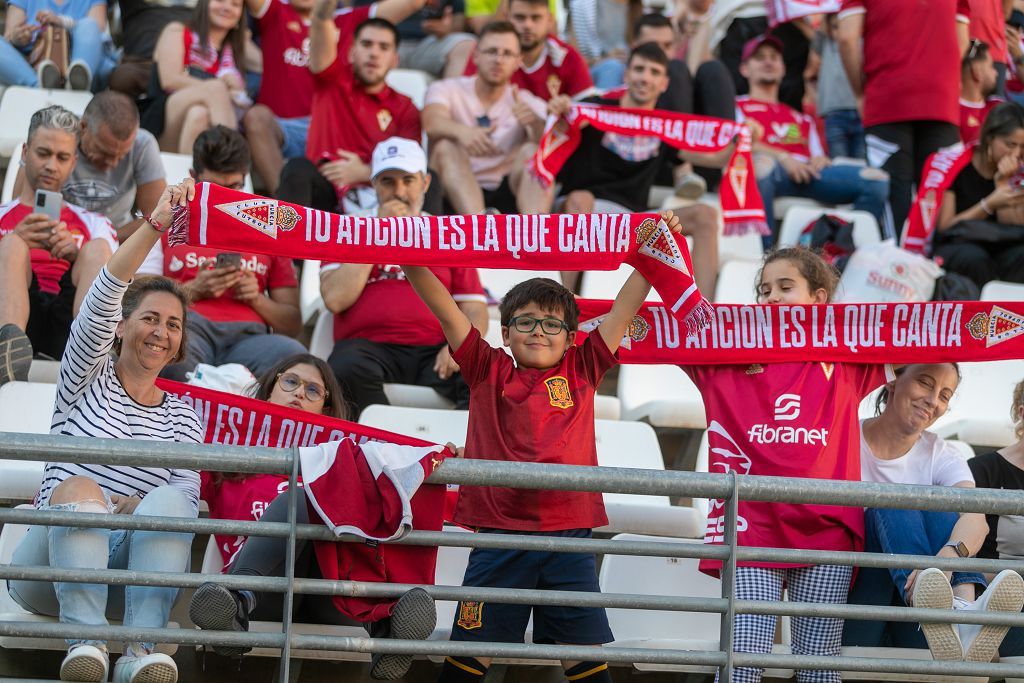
844	134
76	548
608	73
837	185
295	133
88	44
900	532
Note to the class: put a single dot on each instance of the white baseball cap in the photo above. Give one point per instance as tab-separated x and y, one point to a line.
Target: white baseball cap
399	154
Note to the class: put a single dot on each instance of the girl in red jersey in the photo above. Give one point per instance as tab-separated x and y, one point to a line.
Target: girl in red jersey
788	420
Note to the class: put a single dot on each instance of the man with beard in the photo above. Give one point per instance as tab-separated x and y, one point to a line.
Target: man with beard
483	130
978	80
353	110
406	344
549	65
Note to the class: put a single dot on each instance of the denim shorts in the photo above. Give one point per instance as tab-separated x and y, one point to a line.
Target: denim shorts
295	132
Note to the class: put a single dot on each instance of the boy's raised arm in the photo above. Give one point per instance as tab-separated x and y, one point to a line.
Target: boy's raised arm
454	323
630	298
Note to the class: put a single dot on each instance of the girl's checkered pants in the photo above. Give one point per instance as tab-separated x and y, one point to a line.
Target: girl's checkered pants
755	633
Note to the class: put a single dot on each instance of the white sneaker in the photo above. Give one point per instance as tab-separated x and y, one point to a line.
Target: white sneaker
48	74
1004	594
79	76
85	663
932	591
152	668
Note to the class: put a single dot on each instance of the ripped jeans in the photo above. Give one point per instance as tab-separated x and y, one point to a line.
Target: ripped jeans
76	548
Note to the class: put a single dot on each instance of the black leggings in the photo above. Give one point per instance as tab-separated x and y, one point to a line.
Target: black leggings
265	556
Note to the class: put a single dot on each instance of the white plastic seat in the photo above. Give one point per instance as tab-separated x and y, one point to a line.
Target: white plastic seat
497	281
736	282
782	205
412	83
44	371
998	290
677	577
19	104
25	407
661	395
310	302
865	226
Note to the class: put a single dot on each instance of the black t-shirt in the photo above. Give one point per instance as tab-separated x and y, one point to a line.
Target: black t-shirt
1005	539
617	168
143	21
969	188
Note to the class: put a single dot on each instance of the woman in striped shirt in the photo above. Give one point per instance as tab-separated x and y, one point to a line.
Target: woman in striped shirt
100	396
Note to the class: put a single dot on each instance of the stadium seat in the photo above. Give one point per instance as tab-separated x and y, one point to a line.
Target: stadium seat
310	302
19	103
44	371
25	407
412	83
782	205
676	577
865	227
177	167
736	282
10	611
997	290
979	413
9	177
661	395
497	281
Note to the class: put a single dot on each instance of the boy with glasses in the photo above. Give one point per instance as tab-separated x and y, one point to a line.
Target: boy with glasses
539	408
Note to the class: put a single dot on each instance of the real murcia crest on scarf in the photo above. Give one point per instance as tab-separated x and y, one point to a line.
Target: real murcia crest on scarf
996	327
636	331
738	180
656	241
265	215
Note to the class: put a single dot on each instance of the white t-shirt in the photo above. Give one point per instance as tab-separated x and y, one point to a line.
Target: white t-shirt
930	462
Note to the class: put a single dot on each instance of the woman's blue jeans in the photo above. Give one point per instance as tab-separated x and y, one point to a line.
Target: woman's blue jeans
898	532
78	548
88	44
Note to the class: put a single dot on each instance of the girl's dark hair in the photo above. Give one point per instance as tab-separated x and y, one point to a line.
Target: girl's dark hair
819	273
883	395
1004	119
200	23
142	287
335	404
546	294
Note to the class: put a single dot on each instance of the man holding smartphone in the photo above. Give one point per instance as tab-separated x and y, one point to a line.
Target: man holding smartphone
50	252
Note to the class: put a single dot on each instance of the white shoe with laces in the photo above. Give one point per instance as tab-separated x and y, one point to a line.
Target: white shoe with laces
1004	594
86	663
932	591
155	667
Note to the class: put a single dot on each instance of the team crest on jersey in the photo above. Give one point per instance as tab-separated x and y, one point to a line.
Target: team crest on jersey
558	392
554	85
636	331
266	215
294	26
828	369
738	179
384	119
995	327
471	615
656	241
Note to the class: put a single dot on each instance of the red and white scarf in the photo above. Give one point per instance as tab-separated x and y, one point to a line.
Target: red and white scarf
236	221
742	210
940	171
932	332
781	11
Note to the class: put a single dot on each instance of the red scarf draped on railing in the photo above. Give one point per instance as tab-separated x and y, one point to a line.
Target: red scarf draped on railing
742	210
237	221
932	332
940	171
781	11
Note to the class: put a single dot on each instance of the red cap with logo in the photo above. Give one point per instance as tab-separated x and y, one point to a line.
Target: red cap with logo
752	45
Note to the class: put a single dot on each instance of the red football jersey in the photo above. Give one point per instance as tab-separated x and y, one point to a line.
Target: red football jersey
244	499
183	262
911	59
83	226
390	312
989	26
786	420
560	69
528	415
784	127
972	115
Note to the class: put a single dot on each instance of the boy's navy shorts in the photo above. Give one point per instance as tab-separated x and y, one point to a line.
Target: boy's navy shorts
531	569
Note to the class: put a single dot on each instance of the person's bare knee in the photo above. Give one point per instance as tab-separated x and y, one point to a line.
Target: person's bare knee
15	257
698	220
260	122
579	201
445	152
197	116
77	489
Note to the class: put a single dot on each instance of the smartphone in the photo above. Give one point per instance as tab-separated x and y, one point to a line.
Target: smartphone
228	259
1016	19
49	203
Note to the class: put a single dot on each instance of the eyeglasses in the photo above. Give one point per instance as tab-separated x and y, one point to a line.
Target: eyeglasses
495	53
972	51
289	381
527	324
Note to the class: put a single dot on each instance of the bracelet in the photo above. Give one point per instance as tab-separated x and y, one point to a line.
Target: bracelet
984	206
157	225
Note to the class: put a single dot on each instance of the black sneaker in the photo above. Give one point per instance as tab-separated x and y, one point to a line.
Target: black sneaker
15	354
215	608
413	618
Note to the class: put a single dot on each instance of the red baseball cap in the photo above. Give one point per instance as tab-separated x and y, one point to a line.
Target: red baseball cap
752	45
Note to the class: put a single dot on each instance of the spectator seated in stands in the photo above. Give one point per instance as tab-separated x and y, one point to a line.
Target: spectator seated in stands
978	79
197	82
789	158
46	264
118	167
599	32
434	39
144	323
896	449
548	66
278	124
142	22
245	307
980	228
837	105
353	110
483	130
303	382
83	22
1004	469
382	331
612	173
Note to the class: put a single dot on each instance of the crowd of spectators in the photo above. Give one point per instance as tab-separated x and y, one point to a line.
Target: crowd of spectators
844	109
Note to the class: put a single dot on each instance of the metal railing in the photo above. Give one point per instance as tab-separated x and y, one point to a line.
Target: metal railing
727	487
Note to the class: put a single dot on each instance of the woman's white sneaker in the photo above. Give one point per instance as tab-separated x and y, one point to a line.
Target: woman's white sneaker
1004	594
85	663
152	668
932	591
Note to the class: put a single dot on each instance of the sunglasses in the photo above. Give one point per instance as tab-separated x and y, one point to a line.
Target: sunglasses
527	324
289	382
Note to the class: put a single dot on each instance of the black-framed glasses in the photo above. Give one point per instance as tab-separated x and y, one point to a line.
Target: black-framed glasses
289	381
527	324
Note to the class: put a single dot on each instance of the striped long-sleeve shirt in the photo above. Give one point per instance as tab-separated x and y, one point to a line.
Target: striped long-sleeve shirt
92	402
